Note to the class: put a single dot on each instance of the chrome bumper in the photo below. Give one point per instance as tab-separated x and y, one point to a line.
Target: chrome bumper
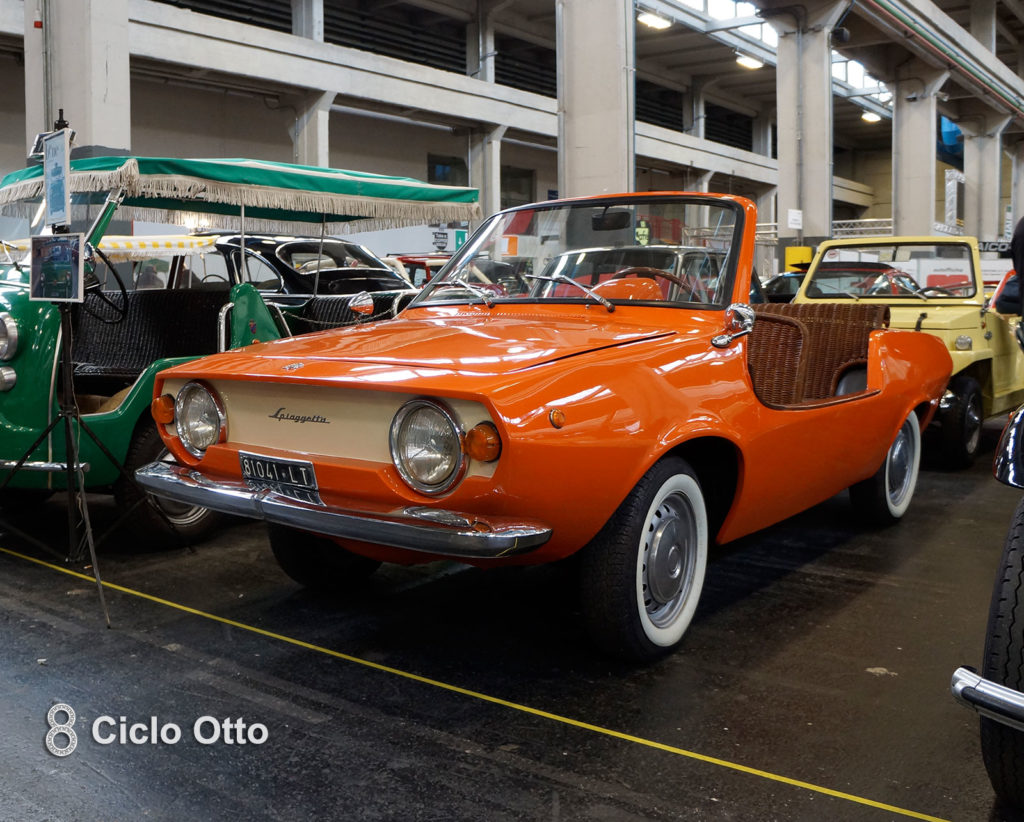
988	698
417	528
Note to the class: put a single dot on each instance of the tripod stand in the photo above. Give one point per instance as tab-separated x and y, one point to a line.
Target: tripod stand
68	414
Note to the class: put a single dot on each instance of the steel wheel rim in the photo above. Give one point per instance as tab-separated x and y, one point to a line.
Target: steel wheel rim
669	562
899	469
179	514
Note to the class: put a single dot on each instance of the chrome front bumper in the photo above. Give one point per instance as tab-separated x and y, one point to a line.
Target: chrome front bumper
416	528
988	698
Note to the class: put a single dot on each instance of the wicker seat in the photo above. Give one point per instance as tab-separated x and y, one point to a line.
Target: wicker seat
157	324
799	353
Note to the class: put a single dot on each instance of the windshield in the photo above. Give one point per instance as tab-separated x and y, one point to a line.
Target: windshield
894	270
310	255
671	250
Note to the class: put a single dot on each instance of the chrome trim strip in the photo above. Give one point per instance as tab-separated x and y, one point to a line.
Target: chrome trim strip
1008	465
41	466
988	698
223	339
416	528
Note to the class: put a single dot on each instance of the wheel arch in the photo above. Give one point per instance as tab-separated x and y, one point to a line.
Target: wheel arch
716	462
981	372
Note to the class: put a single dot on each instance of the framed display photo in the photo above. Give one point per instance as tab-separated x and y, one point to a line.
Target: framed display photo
57	274
56	163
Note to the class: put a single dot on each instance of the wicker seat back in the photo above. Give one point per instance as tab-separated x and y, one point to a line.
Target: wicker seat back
800	352
158	323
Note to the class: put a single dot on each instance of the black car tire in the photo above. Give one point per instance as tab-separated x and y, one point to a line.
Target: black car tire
961	422
642	575
1002	747
317	562
180	523
883	498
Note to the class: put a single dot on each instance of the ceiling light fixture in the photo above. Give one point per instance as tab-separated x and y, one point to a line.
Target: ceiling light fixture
747	61
870	117
653	20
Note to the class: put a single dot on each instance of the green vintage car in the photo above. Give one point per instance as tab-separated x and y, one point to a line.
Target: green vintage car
154	302
933	284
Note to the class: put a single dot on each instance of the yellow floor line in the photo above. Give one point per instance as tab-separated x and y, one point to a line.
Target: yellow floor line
565	720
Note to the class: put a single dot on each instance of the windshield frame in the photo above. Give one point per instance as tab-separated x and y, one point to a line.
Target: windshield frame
727	268
890	273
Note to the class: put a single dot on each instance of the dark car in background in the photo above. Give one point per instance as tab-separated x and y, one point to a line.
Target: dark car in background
309	265
782	288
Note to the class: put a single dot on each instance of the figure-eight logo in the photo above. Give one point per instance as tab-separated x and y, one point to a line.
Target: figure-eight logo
58	728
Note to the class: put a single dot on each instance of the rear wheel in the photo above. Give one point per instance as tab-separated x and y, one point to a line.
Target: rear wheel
174	522
961	422
884	498
642	575
317	562
1002	747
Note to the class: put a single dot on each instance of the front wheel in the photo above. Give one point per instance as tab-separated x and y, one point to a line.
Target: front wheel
1002	747
961	422
317	562
884	498
642	575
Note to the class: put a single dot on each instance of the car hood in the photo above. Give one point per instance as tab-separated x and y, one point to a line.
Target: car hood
466	341
935	316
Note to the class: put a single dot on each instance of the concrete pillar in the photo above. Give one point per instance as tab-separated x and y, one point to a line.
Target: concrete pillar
983	212
596	63
693	105
76	59
308	19
762	137
480	48
765	201
1017	175
804	117
982	23
485	167
311	131
914	135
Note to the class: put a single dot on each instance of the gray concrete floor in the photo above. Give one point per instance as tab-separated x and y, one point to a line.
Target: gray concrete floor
813	685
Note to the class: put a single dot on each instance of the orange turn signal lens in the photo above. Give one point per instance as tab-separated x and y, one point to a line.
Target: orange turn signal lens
482	443
162	409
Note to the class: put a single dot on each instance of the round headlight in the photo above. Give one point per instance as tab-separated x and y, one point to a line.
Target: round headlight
426	446
8	336
198	418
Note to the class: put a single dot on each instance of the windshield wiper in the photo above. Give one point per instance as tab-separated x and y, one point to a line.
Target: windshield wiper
475	290
564	278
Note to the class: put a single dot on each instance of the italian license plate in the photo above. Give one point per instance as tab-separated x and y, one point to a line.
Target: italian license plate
289	478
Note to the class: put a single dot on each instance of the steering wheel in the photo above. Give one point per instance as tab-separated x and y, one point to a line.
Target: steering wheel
93	284
935	290
648	271
694	285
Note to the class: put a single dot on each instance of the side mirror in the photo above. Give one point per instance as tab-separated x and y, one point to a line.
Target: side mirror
362	306
739	321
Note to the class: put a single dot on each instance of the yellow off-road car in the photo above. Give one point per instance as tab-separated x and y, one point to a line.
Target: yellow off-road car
934	285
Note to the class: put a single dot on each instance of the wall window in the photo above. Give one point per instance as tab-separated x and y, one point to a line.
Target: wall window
447	171
518	186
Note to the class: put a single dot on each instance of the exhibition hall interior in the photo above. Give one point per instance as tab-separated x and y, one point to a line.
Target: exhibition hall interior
512	410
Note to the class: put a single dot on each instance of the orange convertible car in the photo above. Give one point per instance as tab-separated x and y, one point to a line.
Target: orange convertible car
585	375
